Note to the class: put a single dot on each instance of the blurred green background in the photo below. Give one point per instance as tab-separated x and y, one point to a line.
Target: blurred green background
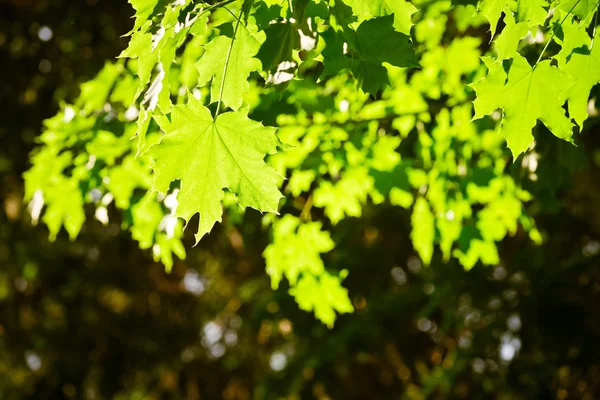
98	319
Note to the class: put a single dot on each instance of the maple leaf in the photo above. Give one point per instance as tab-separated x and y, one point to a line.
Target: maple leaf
584	66
94	93
492	10
140	48
526	94
530	11
125	178
570	34
401	9
508	40
581	8
148	216
143	11
159	49
345	197
65	208
295	254
373	43
239	61
281	40
423	230
209	155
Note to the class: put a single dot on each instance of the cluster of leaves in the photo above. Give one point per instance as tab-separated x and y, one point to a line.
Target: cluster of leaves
370	110
88	157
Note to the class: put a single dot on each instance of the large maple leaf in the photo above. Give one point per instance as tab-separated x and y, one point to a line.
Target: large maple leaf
209	155
525	95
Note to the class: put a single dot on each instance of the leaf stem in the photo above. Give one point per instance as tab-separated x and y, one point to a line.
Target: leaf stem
237	25
554	33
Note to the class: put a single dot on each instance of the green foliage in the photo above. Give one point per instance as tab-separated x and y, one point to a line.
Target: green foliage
295	254
89	158
365	50
375	113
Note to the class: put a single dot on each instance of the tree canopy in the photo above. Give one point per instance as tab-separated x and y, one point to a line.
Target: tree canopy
419	173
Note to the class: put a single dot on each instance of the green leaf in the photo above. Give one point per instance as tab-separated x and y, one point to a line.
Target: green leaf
143	11
582	8
239	62
570	35
423	230
584	66
485	251
65	207
148	220
94	93
374	42
492	10
295	254
160	49
530	11
508	40
125	178
146	214
401	9
525	95
296	250
324	296
125	90
141	48
210	155
345	197
282	39
143	123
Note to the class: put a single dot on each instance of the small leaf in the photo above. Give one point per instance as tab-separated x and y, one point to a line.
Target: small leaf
423	230
94	93
143	11
65	207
